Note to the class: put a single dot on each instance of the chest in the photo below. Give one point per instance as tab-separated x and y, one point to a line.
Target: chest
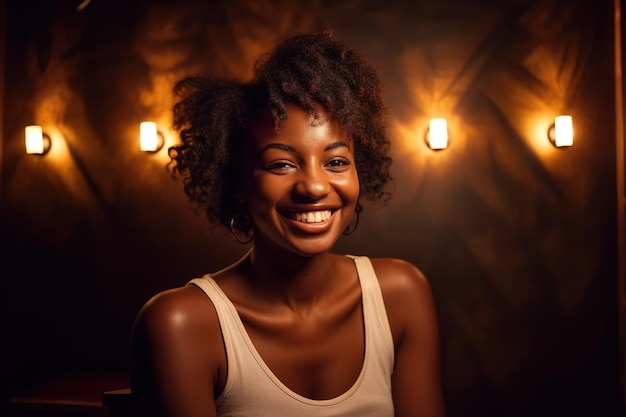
318	355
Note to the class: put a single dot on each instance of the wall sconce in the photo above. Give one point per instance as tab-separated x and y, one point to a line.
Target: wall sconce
437	134
37	142
150	139
561	132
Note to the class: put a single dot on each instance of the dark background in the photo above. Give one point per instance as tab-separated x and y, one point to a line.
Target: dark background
518	238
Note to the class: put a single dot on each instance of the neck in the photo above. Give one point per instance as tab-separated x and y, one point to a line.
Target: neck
288	277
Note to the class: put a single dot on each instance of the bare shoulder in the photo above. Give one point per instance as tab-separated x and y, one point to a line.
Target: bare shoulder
177	354
407	295
396	276
176	322
177	309
416	381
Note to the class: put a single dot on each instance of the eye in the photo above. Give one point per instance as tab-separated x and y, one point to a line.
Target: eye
338	164
280	167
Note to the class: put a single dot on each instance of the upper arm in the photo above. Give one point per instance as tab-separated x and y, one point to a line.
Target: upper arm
416	381
176	350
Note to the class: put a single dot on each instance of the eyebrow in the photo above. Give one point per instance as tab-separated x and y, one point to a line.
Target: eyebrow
288	148
280	146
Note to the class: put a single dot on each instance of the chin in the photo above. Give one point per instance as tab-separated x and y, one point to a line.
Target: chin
312	247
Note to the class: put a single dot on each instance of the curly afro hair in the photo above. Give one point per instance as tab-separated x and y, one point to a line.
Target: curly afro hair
212	117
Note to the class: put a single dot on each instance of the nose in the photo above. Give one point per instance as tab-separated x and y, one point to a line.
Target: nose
313	182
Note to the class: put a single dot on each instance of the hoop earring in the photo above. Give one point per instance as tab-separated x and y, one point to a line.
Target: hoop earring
232	232
349	231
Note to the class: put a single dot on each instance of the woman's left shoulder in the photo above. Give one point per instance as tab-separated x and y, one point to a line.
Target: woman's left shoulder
399	275
405	289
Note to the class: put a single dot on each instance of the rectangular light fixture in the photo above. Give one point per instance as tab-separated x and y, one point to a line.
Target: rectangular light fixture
563	131
150	140
437	136
37	142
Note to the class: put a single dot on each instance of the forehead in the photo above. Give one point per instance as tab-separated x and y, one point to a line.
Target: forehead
300	127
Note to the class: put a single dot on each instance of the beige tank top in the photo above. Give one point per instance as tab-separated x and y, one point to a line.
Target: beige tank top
252	390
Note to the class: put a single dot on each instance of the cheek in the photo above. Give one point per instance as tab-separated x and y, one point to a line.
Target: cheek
354	185
261	193
348	188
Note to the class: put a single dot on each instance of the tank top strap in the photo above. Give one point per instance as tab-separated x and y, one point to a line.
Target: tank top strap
378	332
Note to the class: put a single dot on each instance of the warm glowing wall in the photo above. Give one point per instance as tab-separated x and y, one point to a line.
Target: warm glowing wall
518	238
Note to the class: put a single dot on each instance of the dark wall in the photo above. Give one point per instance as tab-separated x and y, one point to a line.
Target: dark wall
517	238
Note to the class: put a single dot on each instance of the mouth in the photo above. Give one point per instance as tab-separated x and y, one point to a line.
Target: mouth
319	216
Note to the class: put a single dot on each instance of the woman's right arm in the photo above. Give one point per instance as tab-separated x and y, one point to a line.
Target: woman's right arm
177	356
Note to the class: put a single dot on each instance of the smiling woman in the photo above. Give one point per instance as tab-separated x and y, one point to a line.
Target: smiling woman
290	329
300	185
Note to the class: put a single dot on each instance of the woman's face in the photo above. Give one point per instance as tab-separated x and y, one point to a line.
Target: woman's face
301	183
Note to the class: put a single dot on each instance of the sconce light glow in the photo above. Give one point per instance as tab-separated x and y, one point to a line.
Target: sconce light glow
150	139
37	142
561	132
437	135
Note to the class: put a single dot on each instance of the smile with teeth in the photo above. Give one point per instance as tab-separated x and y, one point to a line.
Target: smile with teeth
311	216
